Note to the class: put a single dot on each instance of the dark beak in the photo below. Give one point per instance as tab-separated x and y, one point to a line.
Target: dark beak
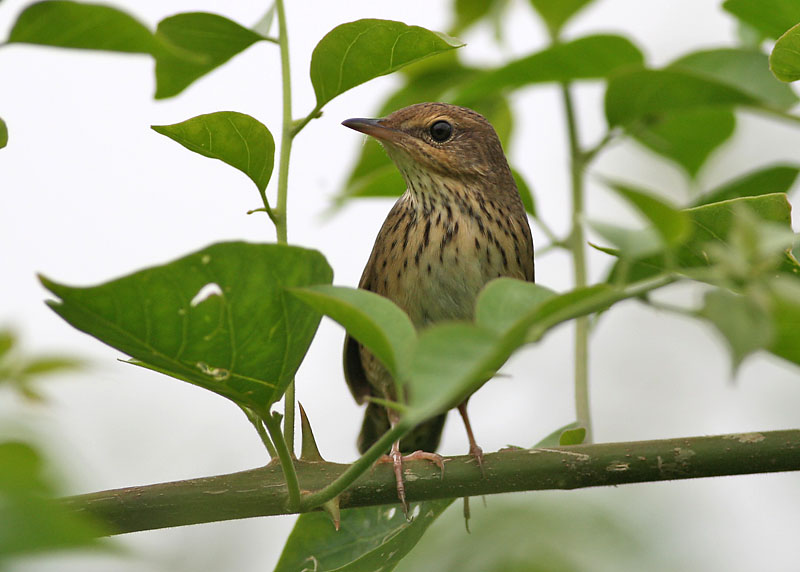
372	127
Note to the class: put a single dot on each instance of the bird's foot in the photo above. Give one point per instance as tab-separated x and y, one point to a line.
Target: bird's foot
477	453
397	458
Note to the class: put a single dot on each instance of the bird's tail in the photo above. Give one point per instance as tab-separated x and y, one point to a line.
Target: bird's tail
424	437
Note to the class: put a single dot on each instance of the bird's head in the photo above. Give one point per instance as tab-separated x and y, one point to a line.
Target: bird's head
438	140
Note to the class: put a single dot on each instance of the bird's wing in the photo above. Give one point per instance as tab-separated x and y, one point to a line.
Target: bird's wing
354	373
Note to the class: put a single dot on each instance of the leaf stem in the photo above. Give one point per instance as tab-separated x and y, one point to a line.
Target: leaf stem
359	467
259	425
286	460
278	215
577	244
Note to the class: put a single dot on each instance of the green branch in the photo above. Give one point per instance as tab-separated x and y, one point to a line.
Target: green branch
577	245
262	492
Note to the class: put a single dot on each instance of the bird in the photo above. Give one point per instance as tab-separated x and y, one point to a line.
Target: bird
459	224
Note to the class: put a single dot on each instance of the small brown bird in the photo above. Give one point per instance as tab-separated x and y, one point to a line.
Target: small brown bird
459	225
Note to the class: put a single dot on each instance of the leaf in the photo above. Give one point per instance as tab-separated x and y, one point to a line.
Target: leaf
574	436
591	57
32	522
50	364
742	320
784	61
451	361
630	243
671	224
234	138
554	438
688	136
556	13
711	227
7	341
359	51
82	25
469	12
774	179
369	538
742	69
373	320
524	193
219	318
772	17
785	312
643	95
193	44
3	133
503	300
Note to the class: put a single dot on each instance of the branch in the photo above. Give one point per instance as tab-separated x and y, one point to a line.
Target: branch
262	491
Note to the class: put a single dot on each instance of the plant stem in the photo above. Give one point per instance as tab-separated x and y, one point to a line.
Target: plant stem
287	463
577	244
260	492
279	212
358	468
259	425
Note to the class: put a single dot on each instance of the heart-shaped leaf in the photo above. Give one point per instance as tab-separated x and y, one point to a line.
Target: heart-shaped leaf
220	318
688	136
234	138
772	17
742	69
373	320
774	179
359	51
80	25
556	13
591	57
193	44
369	538
784	61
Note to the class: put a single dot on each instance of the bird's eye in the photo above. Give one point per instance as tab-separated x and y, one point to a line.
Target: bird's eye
441	131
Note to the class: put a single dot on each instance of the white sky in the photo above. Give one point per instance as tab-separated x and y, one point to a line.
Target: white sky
88	193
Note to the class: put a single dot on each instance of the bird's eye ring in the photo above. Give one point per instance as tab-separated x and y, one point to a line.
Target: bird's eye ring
441	131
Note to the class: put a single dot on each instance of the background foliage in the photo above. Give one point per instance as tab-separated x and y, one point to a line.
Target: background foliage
683	111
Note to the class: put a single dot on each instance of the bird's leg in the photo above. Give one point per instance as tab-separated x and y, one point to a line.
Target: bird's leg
397	458
474	449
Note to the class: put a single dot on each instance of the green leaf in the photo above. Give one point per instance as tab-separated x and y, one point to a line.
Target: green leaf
219	318
234	138
50	364
785	311
711	228
359	51
32	522
369	538
469	12
784	61
79	25
689	136
3	133
643	95
572	437
742	69
556	13
592	57
742	320
774	179
525	193
193	44
503	300
373	320
772	17
451	361
554	438
671	224
630	243
7	341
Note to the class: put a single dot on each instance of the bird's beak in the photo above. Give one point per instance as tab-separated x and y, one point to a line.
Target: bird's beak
374	128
